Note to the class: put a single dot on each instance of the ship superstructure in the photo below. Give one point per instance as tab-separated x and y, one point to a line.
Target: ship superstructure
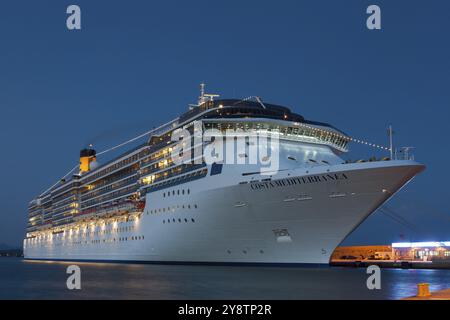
143	206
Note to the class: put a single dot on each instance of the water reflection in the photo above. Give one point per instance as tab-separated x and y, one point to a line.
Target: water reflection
47	280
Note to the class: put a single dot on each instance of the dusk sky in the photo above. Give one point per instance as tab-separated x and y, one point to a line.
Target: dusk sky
137	64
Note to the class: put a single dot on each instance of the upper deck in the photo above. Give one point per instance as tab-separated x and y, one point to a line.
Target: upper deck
124	178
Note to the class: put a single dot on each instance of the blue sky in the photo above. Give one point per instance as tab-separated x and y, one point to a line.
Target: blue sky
136	64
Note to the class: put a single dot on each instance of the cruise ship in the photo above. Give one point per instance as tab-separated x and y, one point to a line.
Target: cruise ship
144	206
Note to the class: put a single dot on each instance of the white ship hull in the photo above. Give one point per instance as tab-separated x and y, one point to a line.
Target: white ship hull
287	220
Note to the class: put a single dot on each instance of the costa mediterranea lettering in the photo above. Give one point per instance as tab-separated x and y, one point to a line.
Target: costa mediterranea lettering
298	180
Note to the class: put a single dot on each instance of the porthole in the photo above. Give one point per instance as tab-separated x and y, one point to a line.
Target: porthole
188	191
179	220
185	220
195	206
192	220
244	251
229	252
182	191
261	251
173	219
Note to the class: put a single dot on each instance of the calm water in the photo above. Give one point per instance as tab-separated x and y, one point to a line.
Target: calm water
47	280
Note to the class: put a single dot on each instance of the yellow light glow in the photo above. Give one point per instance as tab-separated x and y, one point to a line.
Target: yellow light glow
149	179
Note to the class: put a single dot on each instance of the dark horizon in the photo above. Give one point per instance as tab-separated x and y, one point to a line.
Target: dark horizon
136	65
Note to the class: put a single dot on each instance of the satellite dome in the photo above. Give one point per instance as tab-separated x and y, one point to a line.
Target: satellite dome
94	165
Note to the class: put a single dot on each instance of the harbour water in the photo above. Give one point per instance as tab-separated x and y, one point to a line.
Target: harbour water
21	279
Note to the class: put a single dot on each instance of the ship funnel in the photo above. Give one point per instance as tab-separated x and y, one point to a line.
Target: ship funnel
87	157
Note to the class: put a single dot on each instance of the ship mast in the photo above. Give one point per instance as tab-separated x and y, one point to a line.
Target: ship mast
391	141
204	97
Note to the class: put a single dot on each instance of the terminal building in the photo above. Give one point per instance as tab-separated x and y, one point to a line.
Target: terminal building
425	251
411	251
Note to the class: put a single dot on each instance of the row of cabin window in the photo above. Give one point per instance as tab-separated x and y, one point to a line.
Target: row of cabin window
64	196
98	232
97	241
110	196
113	167
129	171
131	238
109	231
179	220
62	203
188	191
168	209
110	187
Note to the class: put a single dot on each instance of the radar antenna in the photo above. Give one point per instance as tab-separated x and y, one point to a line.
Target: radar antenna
204	97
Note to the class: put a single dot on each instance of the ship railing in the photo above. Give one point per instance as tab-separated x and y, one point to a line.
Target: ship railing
404	153
116	209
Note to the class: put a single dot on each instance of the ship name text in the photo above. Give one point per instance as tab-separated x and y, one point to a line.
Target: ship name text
298	180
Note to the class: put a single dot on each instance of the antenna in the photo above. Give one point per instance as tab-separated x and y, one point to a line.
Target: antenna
211	96
202	90
391	141
205	96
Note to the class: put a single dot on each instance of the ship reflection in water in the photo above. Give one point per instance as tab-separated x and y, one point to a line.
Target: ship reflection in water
47	280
